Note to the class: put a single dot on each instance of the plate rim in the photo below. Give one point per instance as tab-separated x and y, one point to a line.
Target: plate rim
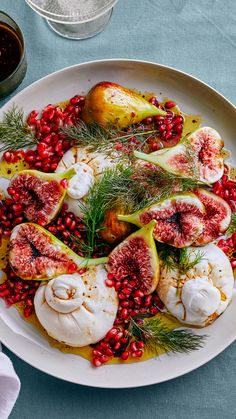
105	61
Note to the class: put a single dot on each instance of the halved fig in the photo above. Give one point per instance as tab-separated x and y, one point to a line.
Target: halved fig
197	157
216	219
179	219
37	254
110	104
136	259
41	194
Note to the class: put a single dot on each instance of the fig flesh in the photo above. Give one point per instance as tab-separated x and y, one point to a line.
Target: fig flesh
197	157
136	259
216	219
179	219
110	104
41	194
37	254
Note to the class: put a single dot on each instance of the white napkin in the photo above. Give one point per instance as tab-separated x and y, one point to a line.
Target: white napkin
9	386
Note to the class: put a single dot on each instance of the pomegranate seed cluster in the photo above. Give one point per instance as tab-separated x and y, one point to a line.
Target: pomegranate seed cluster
226	189
118	341
14	290
51	143
228	246
170	126
11	214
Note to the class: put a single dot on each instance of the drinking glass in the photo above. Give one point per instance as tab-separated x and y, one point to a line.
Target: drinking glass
75	19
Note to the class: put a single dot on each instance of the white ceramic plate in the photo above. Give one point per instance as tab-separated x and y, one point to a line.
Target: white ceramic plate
193	96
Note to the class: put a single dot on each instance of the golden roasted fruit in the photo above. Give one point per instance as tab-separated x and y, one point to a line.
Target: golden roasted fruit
113	230
110	104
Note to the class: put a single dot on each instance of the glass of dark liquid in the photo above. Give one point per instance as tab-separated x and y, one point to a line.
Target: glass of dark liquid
13	63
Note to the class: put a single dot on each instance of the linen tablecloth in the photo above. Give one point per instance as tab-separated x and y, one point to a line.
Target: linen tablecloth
198	37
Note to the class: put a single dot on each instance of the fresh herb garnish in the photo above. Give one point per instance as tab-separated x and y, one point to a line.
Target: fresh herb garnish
232	226
15	134
104	139
157	336
181	259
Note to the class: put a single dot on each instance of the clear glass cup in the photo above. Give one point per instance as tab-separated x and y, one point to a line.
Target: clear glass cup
75	19
13	63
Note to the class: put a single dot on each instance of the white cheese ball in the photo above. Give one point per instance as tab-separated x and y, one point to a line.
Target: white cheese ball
82	158
77	310
204	292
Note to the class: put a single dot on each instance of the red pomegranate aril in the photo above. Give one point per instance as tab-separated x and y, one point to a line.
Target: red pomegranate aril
109	352
170	104
125	355
155	146
125	303
162	128
28	311
140	344
133	346
66	234
178	128
127	291
226	194
122	296
233	237
97	362
117	346
168	135
96	352
73	225
233	263
110	283
153	310
137	354
118	285
4	293
138	293
124	313
112	333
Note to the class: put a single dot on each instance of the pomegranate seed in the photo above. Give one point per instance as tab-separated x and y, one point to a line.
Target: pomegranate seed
28	311
124	313
125	355
170	104
140	344
178	119
112	333
97	362
178	128
117	346
4	293
233	263
109	352
233	238
162	128
110	276
137	354
110	283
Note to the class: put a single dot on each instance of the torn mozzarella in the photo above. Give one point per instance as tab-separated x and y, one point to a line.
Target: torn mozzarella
77	310
80	184
204	292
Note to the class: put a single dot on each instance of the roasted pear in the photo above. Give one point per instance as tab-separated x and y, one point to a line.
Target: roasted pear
136	259
41	194
179	219
112	230
199	156
109	104
37	254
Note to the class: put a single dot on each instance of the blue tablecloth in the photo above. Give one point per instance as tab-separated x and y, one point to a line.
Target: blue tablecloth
198	37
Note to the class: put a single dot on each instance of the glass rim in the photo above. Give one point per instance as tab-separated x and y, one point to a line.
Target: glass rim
23	47
82	18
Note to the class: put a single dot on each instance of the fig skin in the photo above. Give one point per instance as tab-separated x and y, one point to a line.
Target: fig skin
113	230
42	194
35	254
217	218
181	208
109	104
136	258
205	144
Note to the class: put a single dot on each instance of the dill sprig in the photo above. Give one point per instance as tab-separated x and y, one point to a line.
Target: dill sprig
104	139
157	336
14	132
232	226
108	191
128	188
181	259
158	185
